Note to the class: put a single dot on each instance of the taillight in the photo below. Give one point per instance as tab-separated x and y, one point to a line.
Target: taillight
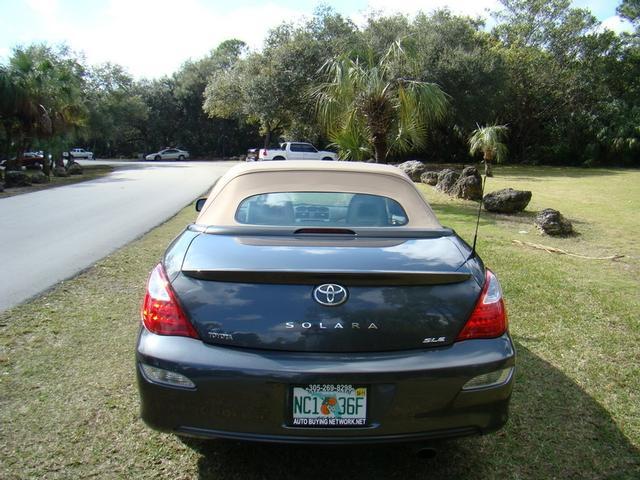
161	312
264	152
489	317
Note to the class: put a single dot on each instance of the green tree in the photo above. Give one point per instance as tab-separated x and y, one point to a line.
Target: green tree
9	100
381	31
202	134
300	51
457	54
44	97
630	10
161	128
365	102
552	54
269	88
117	112
255	91
489	141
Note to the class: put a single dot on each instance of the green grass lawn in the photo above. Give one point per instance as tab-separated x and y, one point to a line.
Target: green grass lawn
68	400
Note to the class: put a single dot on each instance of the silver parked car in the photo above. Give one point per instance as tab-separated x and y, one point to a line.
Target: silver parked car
169	154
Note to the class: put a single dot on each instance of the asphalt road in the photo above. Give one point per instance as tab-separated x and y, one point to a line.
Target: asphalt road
53	234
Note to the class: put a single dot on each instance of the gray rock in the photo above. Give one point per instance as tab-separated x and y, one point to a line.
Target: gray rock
413	168
16	178
447	178
430	178
470	172
39	177
74	169
552	222
59	171
507	200
469	185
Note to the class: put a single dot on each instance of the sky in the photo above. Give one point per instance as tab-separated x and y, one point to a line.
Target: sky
152	38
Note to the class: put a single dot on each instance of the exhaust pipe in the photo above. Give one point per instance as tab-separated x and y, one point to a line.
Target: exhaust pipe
426	453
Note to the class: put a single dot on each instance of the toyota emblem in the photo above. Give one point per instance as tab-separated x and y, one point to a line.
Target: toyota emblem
330	294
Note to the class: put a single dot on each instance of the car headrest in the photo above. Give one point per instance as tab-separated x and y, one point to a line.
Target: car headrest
280	213
367	211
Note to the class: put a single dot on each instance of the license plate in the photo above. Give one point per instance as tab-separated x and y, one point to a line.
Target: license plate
329	406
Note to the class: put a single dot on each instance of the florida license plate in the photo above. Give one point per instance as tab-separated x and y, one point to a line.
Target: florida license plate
329	406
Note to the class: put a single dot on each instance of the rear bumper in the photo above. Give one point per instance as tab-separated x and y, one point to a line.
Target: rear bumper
245	394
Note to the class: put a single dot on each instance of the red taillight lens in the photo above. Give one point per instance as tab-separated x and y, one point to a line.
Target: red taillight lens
264	152
161	312
489	318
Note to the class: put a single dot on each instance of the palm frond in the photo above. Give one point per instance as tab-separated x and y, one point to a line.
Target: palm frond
489	140
393	114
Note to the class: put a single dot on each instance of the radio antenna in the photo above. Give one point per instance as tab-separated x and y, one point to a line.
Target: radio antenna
475	235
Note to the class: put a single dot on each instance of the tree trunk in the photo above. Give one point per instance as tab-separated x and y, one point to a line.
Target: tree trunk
46	166
58	158
267	138
487	165
487	169
19	154
12	164
380	147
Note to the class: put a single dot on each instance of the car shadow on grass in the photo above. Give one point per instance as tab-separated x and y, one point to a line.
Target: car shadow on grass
464	212
556	430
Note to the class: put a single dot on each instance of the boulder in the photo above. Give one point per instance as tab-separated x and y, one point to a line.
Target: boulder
552	222
16	178
39	177
430	178
59	171
447	179
470	172
413	168
507	200
469	185
74	169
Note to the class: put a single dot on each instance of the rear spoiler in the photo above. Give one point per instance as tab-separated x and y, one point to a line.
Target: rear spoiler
289	231
314	277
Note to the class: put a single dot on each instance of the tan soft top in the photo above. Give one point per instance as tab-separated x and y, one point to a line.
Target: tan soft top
248	179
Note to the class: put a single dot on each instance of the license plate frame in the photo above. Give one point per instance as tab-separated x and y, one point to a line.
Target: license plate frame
325	413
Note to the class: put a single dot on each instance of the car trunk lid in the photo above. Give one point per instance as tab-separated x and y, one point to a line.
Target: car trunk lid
262	291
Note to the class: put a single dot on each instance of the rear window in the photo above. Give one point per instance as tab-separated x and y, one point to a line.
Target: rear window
321	209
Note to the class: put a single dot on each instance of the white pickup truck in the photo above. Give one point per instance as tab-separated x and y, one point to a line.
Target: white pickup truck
76	153
295	151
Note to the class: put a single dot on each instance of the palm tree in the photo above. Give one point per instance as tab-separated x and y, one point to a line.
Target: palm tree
41	97
366	107
489	140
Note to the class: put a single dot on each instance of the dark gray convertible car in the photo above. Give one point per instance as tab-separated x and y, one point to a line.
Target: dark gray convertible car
322	303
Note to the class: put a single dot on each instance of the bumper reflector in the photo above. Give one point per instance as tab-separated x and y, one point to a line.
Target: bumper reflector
166	377
491	379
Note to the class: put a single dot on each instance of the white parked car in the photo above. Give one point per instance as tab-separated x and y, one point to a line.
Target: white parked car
295	151
77	153
169	154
